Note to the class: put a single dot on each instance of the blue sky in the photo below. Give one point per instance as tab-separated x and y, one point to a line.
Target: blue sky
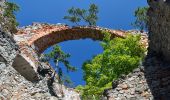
115	14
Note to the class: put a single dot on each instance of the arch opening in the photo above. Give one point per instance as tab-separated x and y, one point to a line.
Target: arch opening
82	50
60	36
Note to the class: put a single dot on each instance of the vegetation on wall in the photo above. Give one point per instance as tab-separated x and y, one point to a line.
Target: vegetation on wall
141	18
89	16
120	56
7	17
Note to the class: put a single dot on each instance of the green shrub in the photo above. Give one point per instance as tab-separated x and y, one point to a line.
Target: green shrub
120	56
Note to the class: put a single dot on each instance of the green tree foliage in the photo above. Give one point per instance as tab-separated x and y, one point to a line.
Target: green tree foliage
77	14
58	56
120	56
7	17
141	18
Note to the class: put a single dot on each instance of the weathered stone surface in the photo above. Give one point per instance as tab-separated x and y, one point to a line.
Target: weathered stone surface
25	68
148	82
26	58
157	68
157	74
159	25
132	87
13	81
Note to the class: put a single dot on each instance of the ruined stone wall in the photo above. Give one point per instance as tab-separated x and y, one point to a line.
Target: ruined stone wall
151	80
157	68
130	87
159	28
13	84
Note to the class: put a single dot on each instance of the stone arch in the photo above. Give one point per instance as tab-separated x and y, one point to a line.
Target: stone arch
45	41
33	40
25	68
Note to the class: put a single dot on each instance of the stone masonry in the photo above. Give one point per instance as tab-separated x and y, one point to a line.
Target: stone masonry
13	86
50	34
130	87
157	64
24	77
33	40
151	80
159	26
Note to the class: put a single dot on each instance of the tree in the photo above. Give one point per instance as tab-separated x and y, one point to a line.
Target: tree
120	56
77	14
58	56
141	18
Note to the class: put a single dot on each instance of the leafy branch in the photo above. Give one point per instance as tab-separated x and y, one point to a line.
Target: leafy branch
77	14
58	56
141	18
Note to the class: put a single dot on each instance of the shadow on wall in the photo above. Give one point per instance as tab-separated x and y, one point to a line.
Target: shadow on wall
157	74
157	71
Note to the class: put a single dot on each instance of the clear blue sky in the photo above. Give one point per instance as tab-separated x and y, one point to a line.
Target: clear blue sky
115	14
